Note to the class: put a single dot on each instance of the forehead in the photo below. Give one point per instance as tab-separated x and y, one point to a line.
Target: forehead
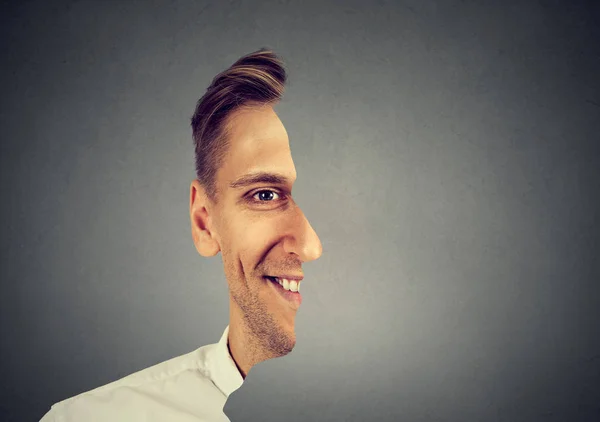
258	142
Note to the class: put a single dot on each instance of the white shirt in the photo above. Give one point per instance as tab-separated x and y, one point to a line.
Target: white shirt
192	387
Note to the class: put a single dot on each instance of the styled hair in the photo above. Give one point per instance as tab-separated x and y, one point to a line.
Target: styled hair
255	79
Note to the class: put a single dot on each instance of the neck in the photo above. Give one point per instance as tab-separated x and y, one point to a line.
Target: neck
243	345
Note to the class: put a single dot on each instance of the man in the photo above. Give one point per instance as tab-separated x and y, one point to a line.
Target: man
241	206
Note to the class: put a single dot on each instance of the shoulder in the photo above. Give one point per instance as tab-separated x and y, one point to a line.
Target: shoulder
181	385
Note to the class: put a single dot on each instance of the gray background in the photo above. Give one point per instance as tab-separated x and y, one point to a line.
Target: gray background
447	156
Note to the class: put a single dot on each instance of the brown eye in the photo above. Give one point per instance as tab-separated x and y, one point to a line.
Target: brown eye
266	195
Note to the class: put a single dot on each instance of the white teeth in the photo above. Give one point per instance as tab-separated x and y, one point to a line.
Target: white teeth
290	285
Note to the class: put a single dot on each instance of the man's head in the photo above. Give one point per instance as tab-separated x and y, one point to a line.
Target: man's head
241	203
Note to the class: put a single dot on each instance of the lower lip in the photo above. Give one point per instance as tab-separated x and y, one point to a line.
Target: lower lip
294	298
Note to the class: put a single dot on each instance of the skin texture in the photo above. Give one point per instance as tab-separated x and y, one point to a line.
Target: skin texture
259	230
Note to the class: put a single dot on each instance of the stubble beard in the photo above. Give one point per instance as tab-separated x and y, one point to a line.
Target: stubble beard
267	339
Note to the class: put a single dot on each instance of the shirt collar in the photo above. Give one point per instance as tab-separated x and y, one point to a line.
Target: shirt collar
223	370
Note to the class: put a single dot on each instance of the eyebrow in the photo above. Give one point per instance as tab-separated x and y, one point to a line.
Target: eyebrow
260	177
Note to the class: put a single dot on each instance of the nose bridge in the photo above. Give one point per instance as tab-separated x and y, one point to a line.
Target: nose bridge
302	238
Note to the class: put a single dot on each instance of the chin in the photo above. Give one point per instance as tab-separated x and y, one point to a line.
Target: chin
292	343
282	343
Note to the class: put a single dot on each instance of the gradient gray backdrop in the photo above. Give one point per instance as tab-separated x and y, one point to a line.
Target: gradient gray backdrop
447	156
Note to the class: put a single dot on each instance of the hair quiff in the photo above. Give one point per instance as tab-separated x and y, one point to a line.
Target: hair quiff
255	79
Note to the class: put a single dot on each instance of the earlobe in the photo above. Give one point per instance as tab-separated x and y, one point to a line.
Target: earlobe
203	236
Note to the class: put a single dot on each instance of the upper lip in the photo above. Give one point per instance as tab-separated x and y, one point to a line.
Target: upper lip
288	277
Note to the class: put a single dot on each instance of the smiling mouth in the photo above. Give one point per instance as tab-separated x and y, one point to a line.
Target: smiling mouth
289	285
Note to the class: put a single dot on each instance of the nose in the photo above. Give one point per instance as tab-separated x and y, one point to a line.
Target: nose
302	239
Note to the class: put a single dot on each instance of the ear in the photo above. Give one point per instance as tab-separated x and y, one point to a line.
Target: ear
205	240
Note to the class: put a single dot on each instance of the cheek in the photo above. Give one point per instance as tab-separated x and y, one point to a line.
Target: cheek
238	245
256	239
246	237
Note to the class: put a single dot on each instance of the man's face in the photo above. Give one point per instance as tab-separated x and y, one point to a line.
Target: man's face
259	228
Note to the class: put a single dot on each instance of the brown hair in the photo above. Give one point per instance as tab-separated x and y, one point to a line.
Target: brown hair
255	79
